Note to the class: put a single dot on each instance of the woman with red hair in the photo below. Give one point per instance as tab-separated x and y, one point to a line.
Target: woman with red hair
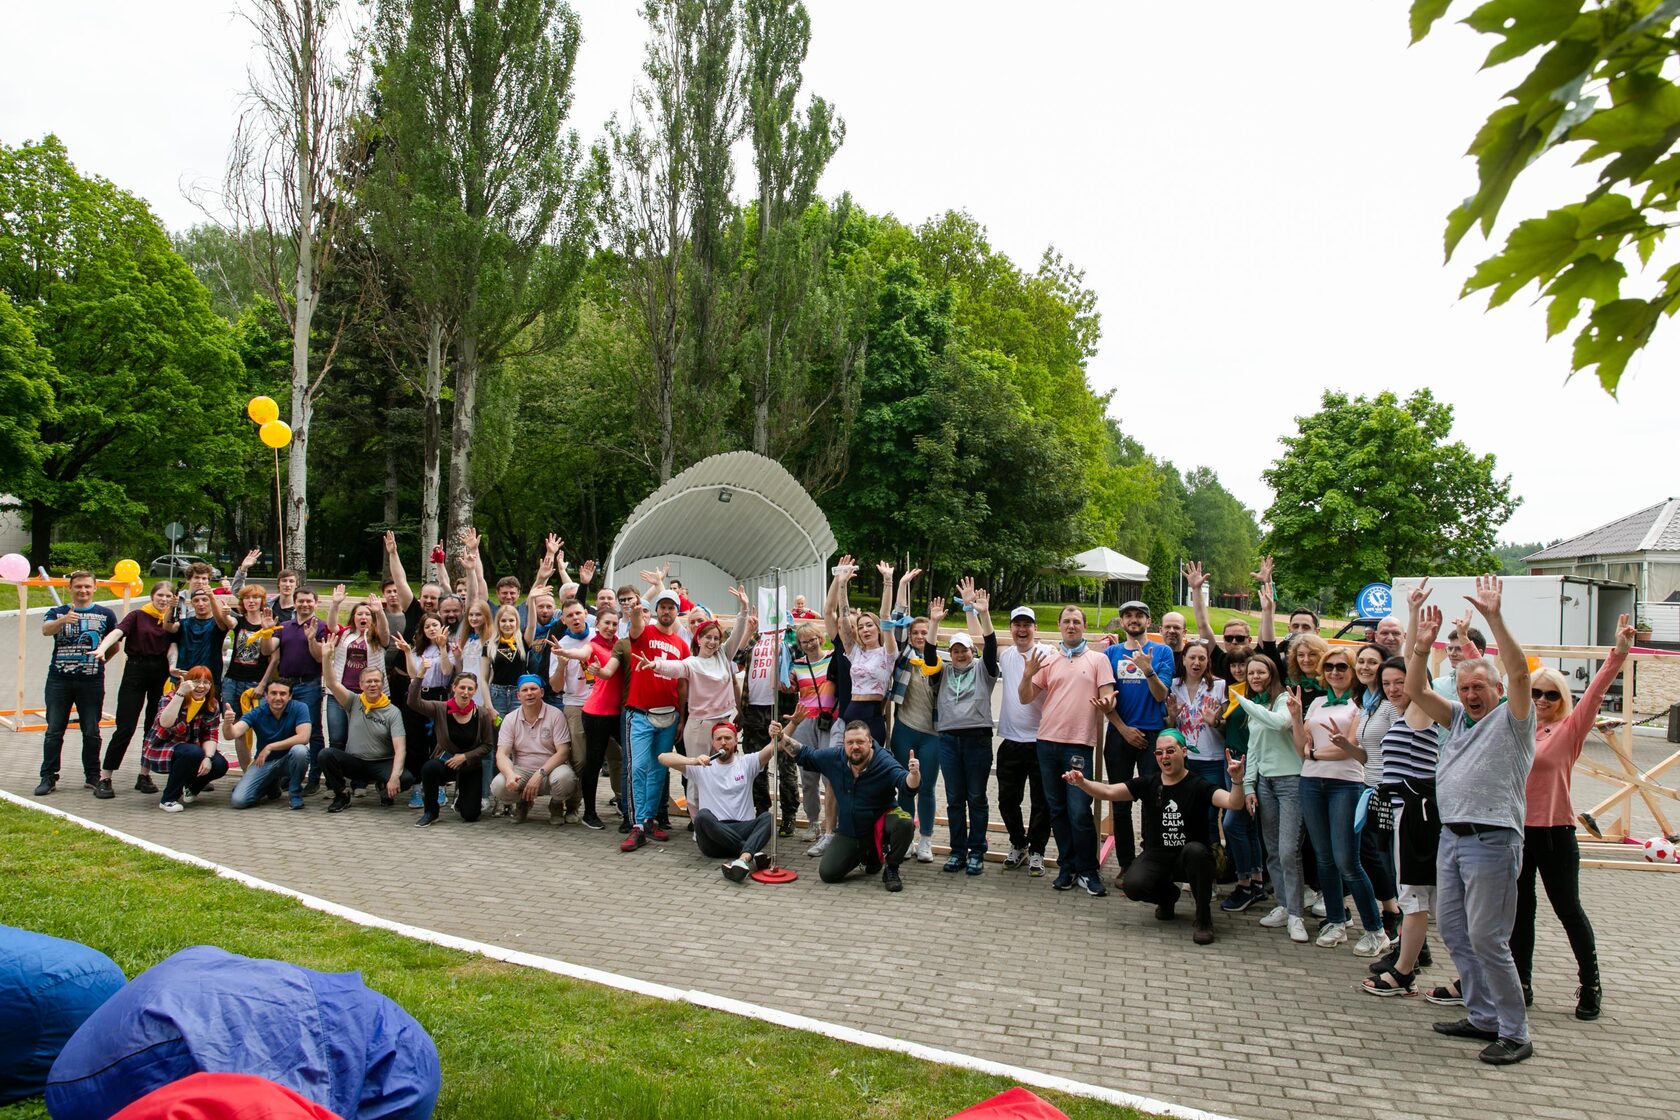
184	741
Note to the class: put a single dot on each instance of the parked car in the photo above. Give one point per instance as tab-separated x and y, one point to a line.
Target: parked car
174	565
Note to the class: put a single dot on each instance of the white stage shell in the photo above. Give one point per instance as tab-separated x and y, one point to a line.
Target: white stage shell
736	519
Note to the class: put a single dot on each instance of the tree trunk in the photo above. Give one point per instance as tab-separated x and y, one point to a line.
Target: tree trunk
433	450
304	294
465	423
392	483
41	522
667	392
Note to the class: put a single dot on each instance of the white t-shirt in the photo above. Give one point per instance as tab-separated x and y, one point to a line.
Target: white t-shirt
1017	722
725	788
576	691
761	669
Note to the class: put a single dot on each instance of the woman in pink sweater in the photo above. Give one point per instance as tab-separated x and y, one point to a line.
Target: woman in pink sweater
1549	847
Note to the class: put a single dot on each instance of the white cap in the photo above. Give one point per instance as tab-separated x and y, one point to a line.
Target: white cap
961	638
667	596
1023	612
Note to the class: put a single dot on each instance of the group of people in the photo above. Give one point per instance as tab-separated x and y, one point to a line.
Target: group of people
1304	773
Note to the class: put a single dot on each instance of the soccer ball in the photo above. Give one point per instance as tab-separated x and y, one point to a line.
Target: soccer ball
1658	850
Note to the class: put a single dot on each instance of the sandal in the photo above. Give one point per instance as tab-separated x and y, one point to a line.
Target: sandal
1391	982
1447	995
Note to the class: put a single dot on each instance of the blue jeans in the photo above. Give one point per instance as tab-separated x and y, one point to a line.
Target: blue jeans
338	723
1327	805
183	771
87	696
308	693
1070	807
232	689
1280	825
966	758
649	781
254	785
923	801
504	698
1475	907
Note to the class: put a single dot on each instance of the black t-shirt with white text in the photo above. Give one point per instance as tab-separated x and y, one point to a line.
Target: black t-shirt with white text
1174	815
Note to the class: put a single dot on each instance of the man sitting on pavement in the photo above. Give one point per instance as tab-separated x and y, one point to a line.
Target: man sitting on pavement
1177	846
281	728
375	743
533	750
870	830
726	826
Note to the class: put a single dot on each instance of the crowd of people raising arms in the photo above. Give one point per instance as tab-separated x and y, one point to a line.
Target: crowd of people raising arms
1304	773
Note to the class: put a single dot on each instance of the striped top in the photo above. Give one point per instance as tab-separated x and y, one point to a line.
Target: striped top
1373	727
1409	754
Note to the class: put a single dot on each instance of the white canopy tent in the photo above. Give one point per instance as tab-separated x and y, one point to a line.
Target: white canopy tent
1106	564
736	519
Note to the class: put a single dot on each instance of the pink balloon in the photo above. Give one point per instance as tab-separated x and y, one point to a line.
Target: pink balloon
13	567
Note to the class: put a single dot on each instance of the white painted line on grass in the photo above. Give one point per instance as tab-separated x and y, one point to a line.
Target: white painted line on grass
1021	1074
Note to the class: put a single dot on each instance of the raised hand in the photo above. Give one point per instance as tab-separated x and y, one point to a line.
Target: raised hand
1489	591
908	577
1264	575
1429	625
1292	700
338	593
586	572
885	569
266	617
848	568
1235	766
981	598
400	643
469	540
1624	634
328	642
1417	596
740	594
390	539
255	554
551	545
965	589
1144	659
936	612
1194	576
1034	662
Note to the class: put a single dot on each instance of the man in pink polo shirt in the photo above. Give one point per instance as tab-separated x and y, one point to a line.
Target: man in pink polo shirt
1077	683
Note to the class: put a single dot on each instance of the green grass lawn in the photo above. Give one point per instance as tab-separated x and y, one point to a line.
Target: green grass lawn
514	1042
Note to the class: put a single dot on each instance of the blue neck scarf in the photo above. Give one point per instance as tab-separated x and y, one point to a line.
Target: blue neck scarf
1071	653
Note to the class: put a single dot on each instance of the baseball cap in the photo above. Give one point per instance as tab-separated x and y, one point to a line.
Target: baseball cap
961	638
667	596
1134	605
1023	612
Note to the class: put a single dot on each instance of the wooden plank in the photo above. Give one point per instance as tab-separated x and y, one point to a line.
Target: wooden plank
1629	865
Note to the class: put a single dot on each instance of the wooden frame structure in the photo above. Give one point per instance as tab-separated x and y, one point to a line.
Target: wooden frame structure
19	717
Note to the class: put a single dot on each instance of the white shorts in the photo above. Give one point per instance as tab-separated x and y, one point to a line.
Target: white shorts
1416	900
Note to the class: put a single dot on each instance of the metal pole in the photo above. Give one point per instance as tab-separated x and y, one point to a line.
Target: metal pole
280	512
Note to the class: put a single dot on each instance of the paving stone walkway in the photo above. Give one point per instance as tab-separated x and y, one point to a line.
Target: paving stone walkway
998	966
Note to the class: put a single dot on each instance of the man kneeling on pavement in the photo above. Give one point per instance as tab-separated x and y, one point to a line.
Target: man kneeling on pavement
1177	846
720	795
870	831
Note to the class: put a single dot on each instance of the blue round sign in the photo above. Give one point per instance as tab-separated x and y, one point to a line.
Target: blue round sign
1375	600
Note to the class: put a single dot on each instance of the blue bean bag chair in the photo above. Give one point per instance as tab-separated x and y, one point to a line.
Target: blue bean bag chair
326	1036
48	988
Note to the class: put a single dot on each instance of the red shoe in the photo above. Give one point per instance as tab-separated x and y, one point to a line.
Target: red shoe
633	841
652	829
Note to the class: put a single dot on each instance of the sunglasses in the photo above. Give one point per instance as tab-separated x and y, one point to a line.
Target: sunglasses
1551	694
1235	639
1174	749
1338	667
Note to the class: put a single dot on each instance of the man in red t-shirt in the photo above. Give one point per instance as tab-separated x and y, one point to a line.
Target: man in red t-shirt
651	711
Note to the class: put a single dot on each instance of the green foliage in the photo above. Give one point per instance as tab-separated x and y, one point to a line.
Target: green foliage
1158	592
26	397
1602	78
68	556
1511	553
144	425
1370	489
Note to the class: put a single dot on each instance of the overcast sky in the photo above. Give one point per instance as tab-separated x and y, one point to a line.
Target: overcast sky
1256	193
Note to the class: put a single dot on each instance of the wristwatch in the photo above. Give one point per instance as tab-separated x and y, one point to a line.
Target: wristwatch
1312	752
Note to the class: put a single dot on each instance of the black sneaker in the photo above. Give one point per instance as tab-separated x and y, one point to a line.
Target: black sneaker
785	830
1093	885
891	881
312	787
1463	1028
736	870
103	790
144	784
1064	880
1589	1002
424	821
47	786
1238	900
624	826
590	820
340	802
1505	1052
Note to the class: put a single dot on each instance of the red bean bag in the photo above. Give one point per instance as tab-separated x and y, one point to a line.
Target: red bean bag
1012	1104
224	1096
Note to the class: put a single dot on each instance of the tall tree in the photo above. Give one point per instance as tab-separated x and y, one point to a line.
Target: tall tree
790	271
143	424
714	115
285	192
473	108
1603	79
1370	489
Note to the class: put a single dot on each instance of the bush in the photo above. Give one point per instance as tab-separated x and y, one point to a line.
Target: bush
68	556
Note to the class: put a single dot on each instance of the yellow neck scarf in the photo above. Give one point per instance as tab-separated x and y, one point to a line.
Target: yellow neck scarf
147	608
374	705
193	706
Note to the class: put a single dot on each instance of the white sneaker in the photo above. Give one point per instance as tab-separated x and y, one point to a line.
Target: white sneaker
1332	935
171	806
188	797
924	849
820	846
1373	944
1035	865
1015	858
1317	905
1298	931
572	817
1275	917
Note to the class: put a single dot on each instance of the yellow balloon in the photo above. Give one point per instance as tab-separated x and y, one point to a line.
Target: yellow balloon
127	571
262	410
276	433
